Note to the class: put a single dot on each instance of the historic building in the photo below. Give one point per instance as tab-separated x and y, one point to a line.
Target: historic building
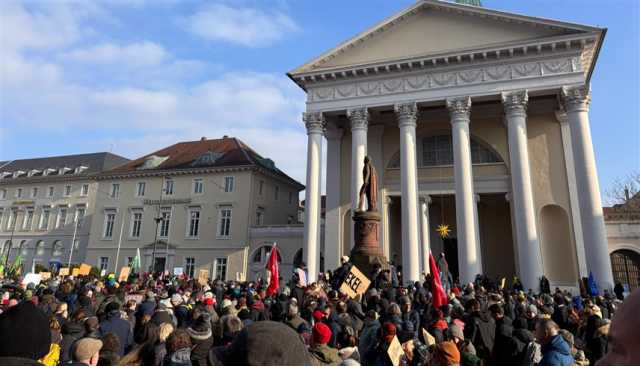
623	233
474	118
41	199
195	205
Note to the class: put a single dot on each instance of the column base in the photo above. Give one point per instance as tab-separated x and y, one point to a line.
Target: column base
366	251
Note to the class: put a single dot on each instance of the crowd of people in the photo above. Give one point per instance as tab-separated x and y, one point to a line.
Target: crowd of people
154	320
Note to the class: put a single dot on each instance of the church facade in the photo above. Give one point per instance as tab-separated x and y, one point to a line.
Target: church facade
476	120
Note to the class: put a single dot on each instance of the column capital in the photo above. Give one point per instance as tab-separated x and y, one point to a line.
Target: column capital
561	115
459	109
515	103
576	98
407	113
359	118
314	121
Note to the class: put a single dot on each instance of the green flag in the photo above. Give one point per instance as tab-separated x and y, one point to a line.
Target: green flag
16	267
135	264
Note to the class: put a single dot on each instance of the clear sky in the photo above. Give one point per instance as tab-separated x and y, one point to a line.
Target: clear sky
131	76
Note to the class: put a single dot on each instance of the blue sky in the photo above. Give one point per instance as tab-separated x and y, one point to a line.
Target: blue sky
131	76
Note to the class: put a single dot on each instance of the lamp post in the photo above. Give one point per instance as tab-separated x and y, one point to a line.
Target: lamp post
157	219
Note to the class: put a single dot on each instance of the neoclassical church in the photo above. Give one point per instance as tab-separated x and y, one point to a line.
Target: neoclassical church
477	121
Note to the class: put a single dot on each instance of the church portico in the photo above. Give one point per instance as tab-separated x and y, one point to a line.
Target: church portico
475	128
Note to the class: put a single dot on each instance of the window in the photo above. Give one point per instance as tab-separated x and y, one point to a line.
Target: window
19	193
115	190
56	249
228	184
194	223
40	248
67	191
24	248
136	224
84	190
141	187
259	217
190	266
11	222
626	268
198	186
168	187
438	150
62	217
276	193
44	219
3	194
80	212
104	263
260	187
261	255
221	268
51	191
28	219
34	192
165	222
224	222
109	222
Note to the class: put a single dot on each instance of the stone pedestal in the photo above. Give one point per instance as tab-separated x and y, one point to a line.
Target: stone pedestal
366	251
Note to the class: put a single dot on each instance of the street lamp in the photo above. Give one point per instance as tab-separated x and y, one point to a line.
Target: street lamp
157	219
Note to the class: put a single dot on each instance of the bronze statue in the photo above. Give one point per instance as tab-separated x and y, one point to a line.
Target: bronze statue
369	187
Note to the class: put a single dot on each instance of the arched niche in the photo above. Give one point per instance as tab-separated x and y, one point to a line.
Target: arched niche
559	258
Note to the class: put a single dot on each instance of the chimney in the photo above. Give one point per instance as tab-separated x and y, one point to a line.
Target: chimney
203	138
225	137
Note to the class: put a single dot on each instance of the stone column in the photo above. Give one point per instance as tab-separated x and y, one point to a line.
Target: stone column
407	119
469	260
576	103
333	233
359	123
426	246
529	254
315	129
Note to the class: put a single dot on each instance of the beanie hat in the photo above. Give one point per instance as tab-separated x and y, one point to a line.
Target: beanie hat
449	351
388	331
85	348
318	315
24	332
456	331
201	327
321	333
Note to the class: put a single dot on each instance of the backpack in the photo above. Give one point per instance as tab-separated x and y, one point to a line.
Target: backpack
483	337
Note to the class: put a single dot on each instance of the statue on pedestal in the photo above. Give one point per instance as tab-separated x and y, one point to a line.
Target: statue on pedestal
369	187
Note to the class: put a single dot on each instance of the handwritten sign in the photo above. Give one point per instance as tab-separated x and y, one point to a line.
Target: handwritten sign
203	276
355	284
395	352
45	275
64	271
34	278
75	272
124	274
178	271
84	269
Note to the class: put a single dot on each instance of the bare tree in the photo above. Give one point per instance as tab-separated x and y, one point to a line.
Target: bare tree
624	190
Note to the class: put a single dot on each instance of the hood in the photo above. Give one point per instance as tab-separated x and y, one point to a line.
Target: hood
558	345
181	355
324	353
72	328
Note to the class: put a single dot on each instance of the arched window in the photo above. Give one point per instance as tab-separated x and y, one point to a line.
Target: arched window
24	248
626	268
56	250
261	255
5	247
40	248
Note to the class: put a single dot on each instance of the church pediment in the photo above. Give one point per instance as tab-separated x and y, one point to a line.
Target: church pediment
435	28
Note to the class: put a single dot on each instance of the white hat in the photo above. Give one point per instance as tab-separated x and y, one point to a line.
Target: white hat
344	259
226	303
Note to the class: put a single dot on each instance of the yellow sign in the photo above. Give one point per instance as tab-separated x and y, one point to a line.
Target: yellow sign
355	284
85	269
124	274
45	275
395	352
203	276
75	272
428	338
64	271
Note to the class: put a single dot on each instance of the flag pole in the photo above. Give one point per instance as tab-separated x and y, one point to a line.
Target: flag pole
115	267
73	239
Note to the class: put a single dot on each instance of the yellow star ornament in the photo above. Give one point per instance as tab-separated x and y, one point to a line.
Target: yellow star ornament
443	230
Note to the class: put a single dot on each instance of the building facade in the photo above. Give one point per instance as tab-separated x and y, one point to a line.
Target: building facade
41	199
190	205
474	118
623	233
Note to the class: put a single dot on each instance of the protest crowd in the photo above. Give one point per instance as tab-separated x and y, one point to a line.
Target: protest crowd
162	320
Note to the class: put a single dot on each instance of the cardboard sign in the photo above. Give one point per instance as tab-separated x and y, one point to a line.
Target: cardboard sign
31	277
63	271
75	272
45	275
355	284
124	274
428	338
135	297
203	276
395	352
178	271
84	269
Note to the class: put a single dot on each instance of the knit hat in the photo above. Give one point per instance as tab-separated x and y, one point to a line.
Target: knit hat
456	331
85	348
201	327
318	315
388	331
449	351
24	332
321	333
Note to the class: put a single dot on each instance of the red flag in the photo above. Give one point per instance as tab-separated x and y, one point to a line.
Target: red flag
272	267
439	295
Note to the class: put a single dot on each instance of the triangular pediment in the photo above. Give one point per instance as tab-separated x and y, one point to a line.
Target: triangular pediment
433	27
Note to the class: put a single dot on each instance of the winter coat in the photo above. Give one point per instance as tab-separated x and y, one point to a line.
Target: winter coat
506	347
71	332
182	315
481	330
368	338
295	322
181	357
556	353
120	327
145	308
200	350
597	345
325	355
108	358
18	361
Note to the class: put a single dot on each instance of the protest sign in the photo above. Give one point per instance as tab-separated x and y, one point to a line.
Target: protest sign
75	272
203	276
45	275
124	274
429	340
135	297
31	277
355	284
395	352
84	269
178	271
63	271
